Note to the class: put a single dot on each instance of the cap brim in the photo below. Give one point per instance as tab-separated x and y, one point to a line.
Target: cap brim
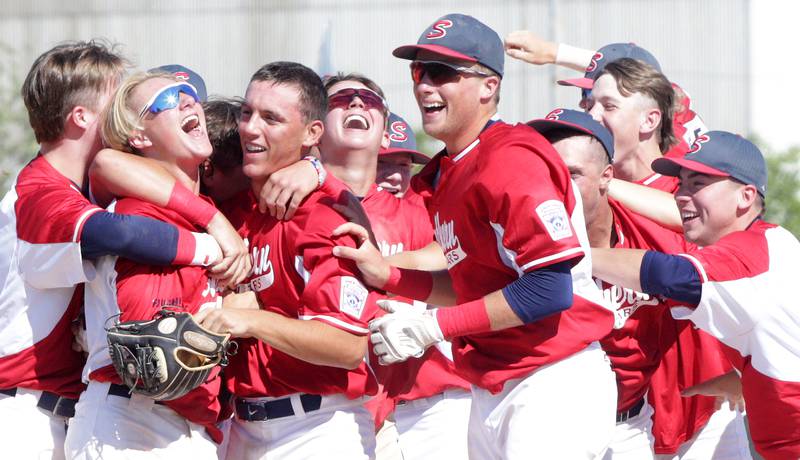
410	52
545	125
583	82
416	157
672	167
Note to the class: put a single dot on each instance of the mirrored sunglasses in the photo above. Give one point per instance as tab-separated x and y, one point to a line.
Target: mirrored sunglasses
440	73
343	98
168	98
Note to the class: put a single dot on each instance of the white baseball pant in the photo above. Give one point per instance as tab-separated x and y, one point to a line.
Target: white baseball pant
633	438
724	437
112	427
340	429
435	427
29	432
563	410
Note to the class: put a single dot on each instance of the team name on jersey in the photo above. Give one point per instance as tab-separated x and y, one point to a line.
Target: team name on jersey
447	239
625	302
262	274
388	249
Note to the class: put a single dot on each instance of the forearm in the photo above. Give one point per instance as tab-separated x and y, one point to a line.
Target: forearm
309	340
429	258
652	203
621	267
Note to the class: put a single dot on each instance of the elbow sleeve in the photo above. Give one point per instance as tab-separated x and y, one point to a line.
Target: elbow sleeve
670	276
541	293
138	238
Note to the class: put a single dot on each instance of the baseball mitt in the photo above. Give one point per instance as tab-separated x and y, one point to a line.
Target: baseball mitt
166	357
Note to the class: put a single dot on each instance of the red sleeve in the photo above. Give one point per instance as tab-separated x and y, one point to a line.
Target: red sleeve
53	213
333	293
525	195
736	256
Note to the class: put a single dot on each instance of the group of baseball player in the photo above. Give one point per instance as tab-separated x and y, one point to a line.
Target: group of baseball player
595	283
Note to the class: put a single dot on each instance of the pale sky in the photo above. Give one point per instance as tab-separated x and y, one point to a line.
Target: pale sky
775	70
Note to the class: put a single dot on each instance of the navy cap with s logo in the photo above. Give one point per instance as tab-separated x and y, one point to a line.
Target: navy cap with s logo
461	37
720	153
607	55
402	140
578	121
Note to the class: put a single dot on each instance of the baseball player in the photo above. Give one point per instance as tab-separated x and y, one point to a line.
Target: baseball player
432	402
49	227
529	47
730	286
635	347
222	176
299	379
396	160
528	318
110	422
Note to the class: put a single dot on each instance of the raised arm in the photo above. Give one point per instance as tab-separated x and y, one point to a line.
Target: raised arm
529	47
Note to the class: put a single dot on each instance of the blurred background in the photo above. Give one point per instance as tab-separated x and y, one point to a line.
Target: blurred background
731	56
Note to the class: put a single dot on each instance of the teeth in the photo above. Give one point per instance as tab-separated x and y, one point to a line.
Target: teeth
251	148
356	121
191	122
432	107
688	215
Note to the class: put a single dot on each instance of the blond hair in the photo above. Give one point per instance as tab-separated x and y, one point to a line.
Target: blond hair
120	120
69	75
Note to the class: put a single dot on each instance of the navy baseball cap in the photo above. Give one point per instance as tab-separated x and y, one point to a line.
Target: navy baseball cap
402	140
720	153
462	37
187	74
606	55
579	121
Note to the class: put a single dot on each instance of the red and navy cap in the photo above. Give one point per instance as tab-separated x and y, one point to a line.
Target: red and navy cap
402	140
720	153
187	74
609	54
461	37
578	121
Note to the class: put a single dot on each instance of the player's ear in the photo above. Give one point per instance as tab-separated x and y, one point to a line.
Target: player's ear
747	196
313	133
489	87
651	120
605	178
385	141
81	116
139	141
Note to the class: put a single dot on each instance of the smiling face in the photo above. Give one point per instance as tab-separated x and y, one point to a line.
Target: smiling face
394	173
357	126
273	130
175	135
710	206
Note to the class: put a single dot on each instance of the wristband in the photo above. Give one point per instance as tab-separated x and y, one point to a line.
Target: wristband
414	284
190	206
196	249
322	174
465	319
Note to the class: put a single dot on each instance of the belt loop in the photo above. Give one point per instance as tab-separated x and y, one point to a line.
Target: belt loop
297	405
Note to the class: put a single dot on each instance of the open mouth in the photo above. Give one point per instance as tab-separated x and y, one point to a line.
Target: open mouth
253	148
433	107
687	216
191	124
356	121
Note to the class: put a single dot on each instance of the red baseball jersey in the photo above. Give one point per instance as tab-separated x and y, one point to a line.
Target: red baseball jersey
502	207
635	346
296	275
748	303
138	292
42	219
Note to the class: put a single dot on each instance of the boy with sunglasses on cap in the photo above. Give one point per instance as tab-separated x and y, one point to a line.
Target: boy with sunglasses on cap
51	227
528	315
735	284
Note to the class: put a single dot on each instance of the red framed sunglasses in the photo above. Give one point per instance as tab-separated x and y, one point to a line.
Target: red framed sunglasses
341	99
440	73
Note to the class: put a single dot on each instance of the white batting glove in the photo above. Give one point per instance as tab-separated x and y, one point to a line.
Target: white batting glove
404	333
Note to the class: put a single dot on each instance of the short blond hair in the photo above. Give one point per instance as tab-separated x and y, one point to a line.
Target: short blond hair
120	120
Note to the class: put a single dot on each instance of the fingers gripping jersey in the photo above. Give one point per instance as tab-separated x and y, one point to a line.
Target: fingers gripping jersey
296	275
41	219
748	303
503	207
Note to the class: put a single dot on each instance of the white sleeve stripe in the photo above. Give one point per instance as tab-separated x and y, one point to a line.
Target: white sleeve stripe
560	255
336	321
80	222
698	266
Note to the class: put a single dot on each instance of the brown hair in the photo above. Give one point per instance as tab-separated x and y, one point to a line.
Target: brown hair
633	76
69	75
222	124
313	100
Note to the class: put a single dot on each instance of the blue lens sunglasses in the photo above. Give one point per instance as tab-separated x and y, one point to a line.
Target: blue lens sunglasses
168	98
